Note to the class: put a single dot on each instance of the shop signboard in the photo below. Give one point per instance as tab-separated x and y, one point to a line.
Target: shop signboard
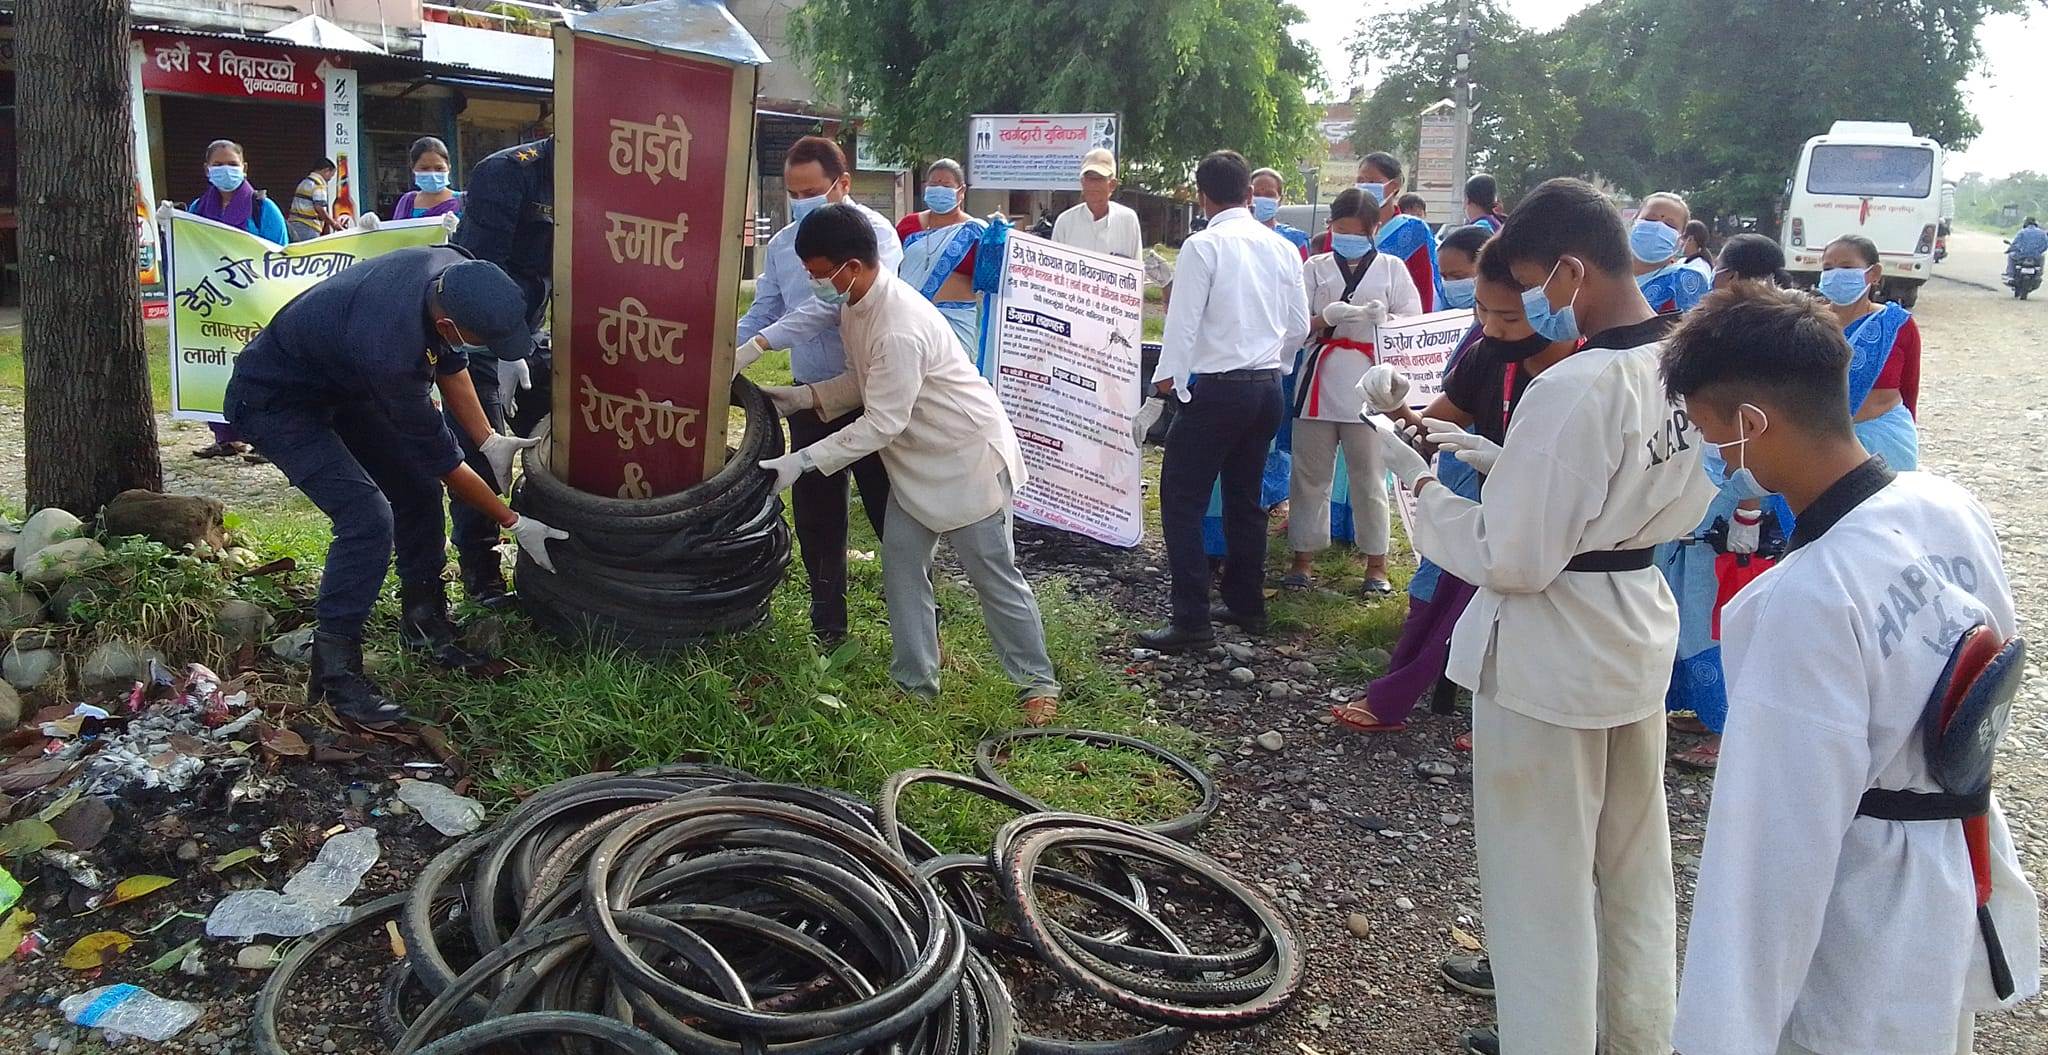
1035	151
235	68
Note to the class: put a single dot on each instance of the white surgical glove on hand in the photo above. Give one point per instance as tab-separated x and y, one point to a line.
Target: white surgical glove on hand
1147	416
1157	270
1338	313
788	399
451	222
533	536
1469	447
1399	458
514	377
1745	531
499	450
366	222
744	357
1384	387
786	469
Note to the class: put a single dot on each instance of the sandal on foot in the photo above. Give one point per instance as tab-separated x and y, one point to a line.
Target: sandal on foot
1296	581
219	450
1357	717
1376	588
1040	711
1688	725
1702	757
1463	743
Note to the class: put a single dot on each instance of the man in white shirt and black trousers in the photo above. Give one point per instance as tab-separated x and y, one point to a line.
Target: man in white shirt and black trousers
1238	314
1567	646
1826	921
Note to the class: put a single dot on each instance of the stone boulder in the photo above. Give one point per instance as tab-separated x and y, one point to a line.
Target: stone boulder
46	527
242	623
116	666
9	540
19	608
10	707
26	668
55	563
177	521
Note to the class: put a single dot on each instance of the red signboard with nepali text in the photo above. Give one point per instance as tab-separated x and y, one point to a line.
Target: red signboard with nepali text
234	68
651	161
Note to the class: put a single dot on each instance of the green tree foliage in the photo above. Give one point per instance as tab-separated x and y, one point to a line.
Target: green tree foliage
1982	201
1189	76
1710	100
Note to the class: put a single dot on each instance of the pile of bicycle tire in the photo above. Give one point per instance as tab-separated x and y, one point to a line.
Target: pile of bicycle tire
653	574
695	909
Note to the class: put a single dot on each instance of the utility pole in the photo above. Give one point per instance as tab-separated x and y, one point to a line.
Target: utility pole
1461	154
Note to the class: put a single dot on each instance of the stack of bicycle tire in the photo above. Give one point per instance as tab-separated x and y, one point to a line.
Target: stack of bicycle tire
694	909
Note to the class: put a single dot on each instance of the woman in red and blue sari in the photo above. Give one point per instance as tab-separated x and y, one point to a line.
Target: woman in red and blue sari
1400	235
939	254
1884	371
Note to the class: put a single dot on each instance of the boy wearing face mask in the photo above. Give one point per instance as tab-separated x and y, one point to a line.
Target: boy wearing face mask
1653	241
1568	643
787	314
1824	920
1267	190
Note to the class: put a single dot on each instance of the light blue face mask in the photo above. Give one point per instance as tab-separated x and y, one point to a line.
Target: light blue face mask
224	177
1843	285
802	207
1556	325
824	290
431	182
1742	484
1350	246
1652	242
1264	209
1460	292
941	199
1376	191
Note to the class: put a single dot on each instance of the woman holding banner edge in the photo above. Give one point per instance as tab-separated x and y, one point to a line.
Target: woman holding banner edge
232	201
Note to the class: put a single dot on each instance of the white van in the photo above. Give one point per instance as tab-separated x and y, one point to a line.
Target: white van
1876	179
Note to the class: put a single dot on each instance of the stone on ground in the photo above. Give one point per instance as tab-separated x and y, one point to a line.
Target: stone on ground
26	668
19	609
60	561
10	707
243	623
47	526
115	666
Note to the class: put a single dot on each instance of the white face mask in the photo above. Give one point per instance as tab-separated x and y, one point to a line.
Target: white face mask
1743	484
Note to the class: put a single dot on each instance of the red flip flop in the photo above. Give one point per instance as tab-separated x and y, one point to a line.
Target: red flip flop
1347	715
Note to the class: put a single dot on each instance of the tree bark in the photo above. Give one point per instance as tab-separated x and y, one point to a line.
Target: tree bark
90	428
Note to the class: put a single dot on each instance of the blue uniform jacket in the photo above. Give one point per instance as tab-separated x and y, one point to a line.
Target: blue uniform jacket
508	218
362	336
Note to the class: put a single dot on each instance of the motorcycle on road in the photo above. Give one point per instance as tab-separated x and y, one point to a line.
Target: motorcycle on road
2024	275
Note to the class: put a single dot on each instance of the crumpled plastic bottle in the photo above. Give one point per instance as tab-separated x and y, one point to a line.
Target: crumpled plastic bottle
131	1011
312	897
449	813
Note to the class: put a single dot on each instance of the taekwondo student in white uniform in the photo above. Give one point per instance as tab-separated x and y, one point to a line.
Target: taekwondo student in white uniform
1568	646
1816	929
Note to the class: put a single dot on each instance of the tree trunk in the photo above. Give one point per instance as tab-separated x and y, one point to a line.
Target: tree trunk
90	429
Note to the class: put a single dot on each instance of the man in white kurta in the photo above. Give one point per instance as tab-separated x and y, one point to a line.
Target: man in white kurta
952	457
1568	646
1815	929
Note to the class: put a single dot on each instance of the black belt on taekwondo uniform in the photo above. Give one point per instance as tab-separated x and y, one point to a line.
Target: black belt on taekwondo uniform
1614	560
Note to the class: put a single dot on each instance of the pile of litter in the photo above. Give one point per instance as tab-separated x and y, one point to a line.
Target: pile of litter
696	909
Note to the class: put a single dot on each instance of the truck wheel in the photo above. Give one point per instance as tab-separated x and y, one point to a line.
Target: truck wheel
1907	295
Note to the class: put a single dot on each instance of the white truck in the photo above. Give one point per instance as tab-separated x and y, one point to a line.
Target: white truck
1876	179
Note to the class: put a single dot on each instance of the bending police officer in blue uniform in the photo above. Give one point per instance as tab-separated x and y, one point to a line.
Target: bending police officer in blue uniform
508	218
335	392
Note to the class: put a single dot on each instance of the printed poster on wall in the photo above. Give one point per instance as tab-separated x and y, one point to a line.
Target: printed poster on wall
227	283
1067	353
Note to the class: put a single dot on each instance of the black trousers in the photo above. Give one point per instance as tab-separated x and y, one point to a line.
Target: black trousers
1223	431
820	505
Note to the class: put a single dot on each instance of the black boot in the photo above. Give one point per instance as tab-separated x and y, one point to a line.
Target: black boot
423	626
483	578
338	681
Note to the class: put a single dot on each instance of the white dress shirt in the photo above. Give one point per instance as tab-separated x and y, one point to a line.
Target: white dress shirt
786	315
1596	458
940	431
1238	302
1116	234
1813	925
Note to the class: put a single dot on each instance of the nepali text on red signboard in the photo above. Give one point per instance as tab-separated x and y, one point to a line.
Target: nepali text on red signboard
648	138
194	66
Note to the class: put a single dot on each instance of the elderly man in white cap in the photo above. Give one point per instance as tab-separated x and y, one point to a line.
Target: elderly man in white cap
1098	223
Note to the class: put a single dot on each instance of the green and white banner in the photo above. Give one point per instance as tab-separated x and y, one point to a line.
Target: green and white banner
227	283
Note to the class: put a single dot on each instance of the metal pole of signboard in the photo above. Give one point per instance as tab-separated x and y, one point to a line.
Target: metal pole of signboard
1461	157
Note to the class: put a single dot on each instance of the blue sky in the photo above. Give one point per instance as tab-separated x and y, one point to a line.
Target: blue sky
1998	96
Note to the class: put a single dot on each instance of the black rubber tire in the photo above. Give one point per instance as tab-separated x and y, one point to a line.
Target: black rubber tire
1182	827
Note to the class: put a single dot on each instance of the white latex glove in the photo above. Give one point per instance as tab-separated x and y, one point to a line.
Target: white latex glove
1157	270
1745	531
514	377
1338	313
366	222
1469	447
499	450
1147	416
1399	458
745	354
786	469
451	222
1384	387
788	399
533	536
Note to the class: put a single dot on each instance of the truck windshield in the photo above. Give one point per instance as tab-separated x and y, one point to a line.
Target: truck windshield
1871	171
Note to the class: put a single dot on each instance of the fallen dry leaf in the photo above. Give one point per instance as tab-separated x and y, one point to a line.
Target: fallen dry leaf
26	837
283	740
84	823
96	950
13	928
1465	940
135	887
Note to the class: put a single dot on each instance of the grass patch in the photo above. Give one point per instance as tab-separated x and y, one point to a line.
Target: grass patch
155	339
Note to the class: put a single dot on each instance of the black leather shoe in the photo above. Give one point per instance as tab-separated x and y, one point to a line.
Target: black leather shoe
423	626
1222	614
1172	638
337	680
483	579
1482	1040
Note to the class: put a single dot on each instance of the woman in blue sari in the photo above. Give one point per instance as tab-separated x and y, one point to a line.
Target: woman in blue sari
938	258
1884	372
